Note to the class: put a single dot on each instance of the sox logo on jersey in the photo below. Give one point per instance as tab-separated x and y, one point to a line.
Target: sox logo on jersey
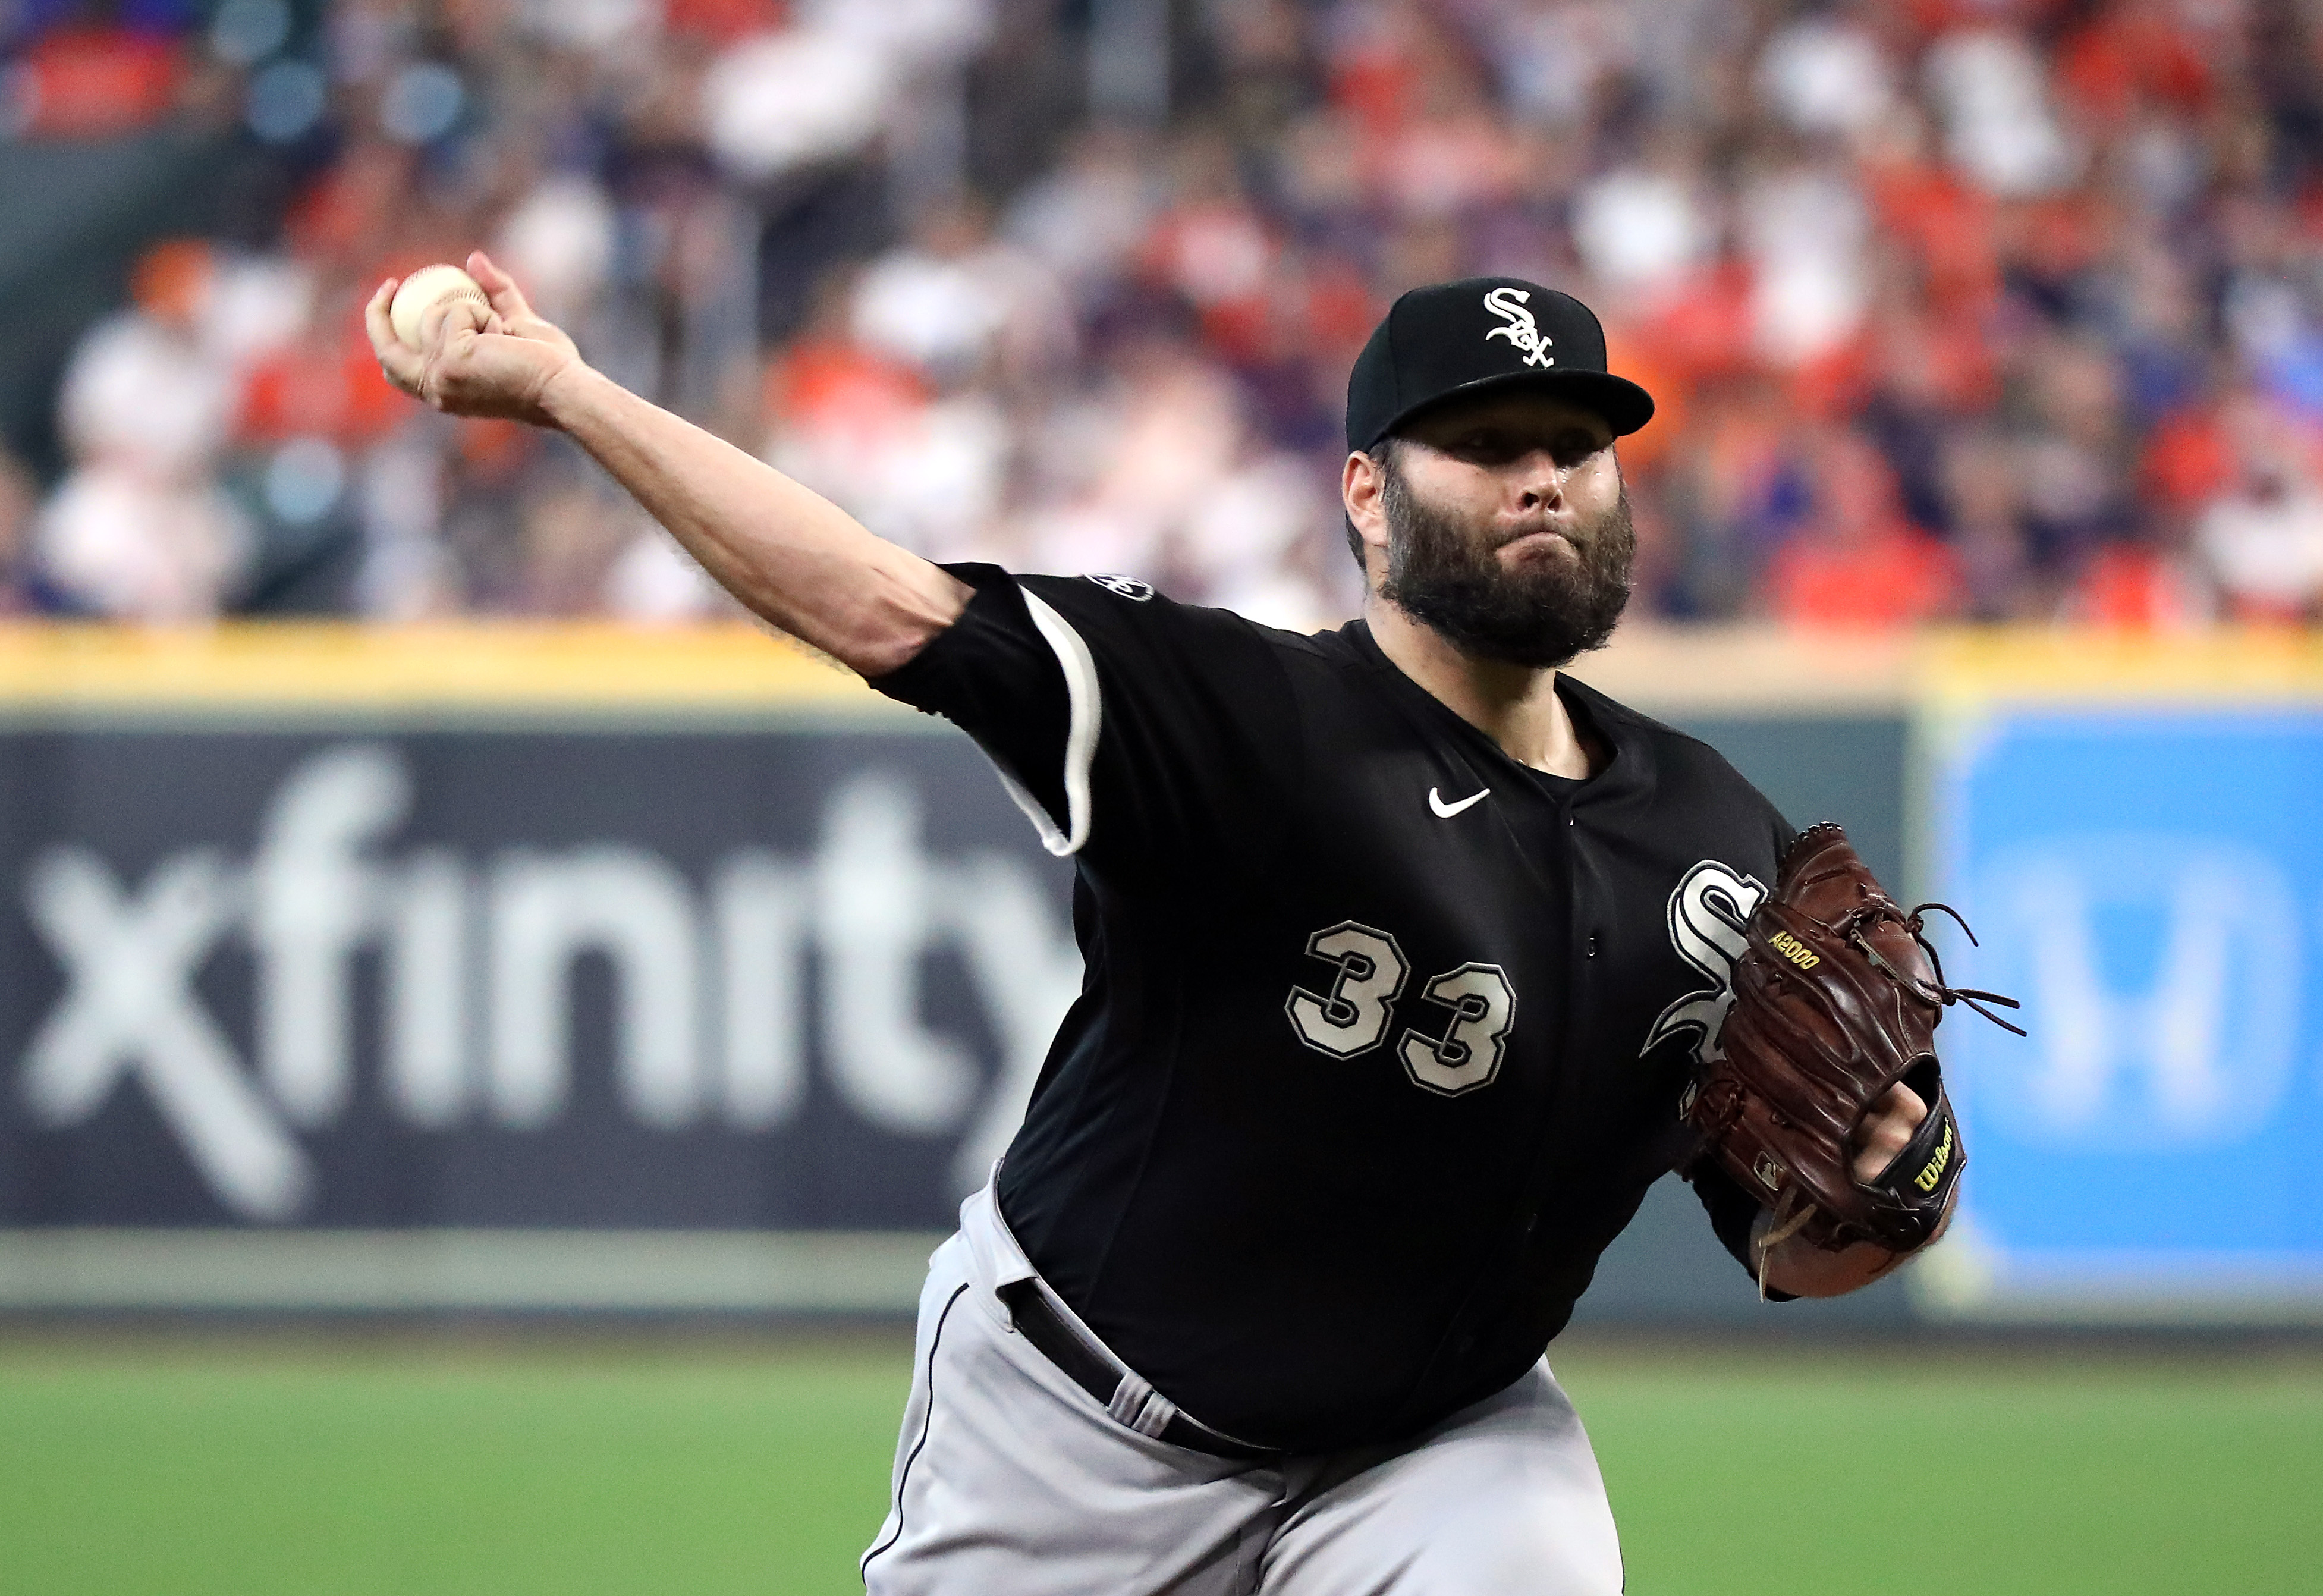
1707	914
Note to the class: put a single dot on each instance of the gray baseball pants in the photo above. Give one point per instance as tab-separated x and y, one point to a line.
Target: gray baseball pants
1011	1478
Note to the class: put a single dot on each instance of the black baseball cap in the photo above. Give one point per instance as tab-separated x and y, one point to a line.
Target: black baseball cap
1477	335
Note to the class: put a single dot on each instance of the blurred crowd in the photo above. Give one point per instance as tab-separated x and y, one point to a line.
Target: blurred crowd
1956	309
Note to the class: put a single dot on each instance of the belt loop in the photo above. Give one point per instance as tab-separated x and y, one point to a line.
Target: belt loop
1129	1399
1154	1414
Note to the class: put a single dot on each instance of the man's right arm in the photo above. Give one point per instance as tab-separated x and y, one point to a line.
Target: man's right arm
785	551
788	552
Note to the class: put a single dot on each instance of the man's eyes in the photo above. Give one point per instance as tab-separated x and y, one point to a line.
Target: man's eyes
1568	448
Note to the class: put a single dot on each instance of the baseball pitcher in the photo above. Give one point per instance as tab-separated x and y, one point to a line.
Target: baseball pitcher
1411	963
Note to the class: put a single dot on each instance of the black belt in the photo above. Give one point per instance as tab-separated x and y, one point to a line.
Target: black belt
1038	1321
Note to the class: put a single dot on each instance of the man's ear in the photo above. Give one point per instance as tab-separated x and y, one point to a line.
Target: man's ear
1363	491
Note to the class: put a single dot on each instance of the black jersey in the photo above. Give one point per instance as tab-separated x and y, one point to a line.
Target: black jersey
1382	1033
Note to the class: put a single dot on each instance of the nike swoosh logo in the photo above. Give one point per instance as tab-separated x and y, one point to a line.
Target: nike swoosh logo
1445	811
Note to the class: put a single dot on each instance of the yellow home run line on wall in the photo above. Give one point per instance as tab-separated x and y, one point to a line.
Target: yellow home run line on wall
1759	669
486	665
2278	666
591	667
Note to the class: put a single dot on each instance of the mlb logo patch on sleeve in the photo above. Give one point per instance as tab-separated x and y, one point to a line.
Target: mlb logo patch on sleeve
1128	587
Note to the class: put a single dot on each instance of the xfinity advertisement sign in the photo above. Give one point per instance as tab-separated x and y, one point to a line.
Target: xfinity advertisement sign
545	971
582	980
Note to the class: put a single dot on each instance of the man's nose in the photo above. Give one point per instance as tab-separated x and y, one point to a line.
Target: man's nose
1540	481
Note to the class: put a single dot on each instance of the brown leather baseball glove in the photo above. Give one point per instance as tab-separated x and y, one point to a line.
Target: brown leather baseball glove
1836	999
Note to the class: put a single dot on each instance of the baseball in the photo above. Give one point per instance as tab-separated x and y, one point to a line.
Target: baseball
427	287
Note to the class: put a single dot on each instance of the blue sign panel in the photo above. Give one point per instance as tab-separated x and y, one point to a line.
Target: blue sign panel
2150	883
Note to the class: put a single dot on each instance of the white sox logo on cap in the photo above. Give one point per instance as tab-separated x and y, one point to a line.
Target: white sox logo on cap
1509	305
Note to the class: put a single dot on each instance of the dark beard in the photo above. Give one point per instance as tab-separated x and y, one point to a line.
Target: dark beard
1542	615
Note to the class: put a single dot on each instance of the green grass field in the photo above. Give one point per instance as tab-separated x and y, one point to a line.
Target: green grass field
418	1467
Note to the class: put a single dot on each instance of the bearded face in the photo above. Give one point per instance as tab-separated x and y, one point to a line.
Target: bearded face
1445	572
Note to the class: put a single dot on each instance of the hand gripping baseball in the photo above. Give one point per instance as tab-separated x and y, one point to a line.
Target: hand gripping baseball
1836	1001
471	360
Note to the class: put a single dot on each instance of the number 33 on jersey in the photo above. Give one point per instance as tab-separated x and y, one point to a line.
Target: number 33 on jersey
1358	1012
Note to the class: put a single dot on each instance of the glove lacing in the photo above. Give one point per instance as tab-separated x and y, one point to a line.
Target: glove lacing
1791	1216
1937	990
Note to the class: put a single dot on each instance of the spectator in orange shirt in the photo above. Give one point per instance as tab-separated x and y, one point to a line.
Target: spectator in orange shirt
1856	563
2139	585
